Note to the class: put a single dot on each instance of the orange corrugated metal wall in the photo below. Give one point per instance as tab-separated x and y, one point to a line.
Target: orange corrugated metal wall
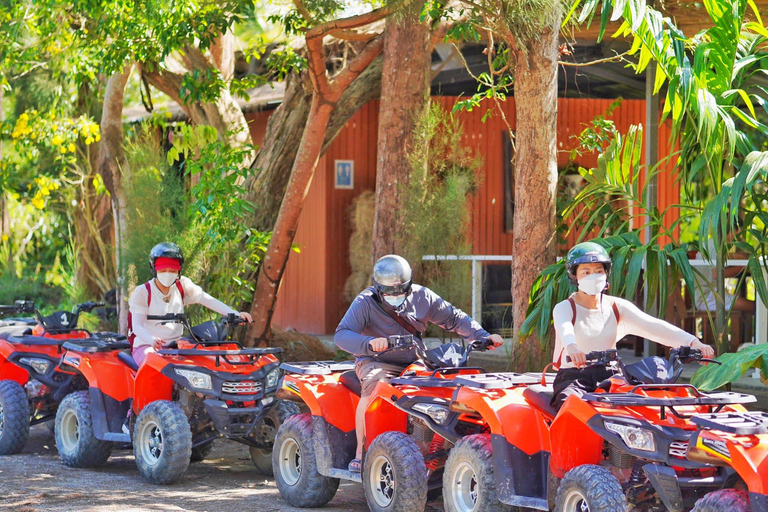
310	298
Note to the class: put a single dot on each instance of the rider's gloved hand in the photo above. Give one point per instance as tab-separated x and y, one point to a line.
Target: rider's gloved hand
245	316
378	344
706	351
578	358
497	340
158	343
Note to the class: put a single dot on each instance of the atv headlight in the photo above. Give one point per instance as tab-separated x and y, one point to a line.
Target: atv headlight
438	413
39	365
197	380
634	437
273	377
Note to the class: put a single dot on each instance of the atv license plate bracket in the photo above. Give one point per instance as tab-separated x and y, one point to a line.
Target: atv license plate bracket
317	367
739	423
497	380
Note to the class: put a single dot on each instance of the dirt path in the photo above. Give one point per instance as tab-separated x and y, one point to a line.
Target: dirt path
225	482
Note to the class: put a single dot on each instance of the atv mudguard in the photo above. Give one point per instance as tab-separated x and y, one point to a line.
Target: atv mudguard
110	386
325	396
151	384
574	443
747	455
8	370
520	442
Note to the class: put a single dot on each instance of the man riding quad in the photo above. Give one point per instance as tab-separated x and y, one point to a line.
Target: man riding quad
590	320
393	306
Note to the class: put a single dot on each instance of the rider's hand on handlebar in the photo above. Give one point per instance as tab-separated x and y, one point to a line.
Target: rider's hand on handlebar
379	344
578	358
497	340
245	316
158	343
707	352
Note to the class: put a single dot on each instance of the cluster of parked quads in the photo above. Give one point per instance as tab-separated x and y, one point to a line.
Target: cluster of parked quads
486	441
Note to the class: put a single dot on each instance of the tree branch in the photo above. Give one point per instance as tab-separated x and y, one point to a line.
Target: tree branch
223	54
356	66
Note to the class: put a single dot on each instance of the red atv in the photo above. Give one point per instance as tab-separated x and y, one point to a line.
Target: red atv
736	440
623	445
409	428
31	387
176	405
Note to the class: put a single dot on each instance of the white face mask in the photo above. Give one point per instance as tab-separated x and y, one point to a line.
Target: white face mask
394	300
593	283
167	278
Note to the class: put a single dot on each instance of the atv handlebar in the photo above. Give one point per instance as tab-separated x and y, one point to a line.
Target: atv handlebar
88	306
20	306
600	356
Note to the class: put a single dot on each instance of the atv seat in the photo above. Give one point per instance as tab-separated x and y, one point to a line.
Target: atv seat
350	381
127	358
540	397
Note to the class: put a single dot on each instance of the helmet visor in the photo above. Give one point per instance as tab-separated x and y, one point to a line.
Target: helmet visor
398	289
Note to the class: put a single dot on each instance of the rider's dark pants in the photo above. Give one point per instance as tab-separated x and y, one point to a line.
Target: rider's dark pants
577	381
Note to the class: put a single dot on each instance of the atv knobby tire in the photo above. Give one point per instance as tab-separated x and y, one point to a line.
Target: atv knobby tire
295	465
75	439
199	453
468	482
162	442
724	500
590	487
394	474
14	417
281	411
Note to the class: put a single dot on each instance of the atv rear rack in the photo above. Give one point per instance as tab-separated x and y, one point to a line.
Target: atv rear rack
318	367
251	353
424	382
633	399
92	346
739	423
497	380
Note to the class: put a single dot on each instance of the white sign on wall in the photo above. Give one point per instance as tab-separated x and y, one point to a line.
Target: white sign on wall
344	174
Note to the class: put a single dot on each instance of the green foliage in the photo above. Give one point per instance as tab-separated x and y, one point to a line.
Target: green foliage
436	207
733	367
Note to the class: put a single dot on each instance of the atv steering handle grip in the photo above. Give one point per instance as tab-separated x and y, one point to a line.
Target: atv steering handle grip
481	344
599	356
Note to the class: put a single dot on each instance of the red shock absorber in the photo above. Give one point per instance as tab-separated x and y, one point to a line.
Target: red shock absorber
435	446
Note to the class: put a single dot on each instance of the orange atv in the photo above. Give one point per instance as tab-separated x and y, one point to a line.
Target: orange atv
31	386
737	440
179	401
408	424
623	445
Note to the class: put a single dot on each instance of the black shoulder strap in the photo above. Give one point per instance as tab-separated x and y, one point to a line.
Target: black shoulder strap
397	318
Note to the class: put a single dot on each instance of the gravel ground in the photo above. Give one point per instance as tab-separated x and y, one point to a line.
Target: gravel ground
225	482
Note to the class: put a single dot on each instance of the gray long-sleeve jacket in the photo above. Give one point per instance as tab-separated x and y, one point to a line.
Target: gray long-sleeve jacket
365	320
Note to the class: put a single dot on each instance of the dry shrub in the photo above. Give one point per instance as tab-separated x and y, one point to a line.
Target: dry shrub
300	347
360	244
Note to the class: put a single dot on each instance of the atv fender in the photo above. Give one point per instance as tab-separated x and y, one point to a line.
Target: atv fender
151	384
748	456
110	387
10	371
520	442
382	415
573	442
325	397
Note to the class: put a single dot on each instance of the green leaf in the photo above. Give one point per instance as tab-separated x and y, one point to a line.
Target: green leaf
733	366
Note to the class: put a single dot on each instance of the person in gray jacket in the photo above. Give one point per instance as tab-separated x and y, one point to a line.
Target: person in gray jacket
366	326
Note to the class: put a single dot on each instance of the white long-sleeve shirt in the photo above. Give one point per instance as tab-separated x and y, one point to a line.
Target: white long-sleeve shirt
597	329
147	330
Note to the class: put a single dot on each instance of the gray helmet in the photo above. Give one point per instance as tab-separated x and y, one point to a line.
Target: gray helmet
392	275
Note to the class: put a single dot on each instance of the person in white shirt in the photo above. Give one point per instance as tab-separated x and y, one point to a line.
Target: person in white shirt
168	292
590	320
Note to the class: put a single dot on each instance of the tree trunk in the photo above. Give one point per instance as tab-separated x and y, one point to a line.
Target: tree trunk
114	169
534	241
273	264
404	96
277	153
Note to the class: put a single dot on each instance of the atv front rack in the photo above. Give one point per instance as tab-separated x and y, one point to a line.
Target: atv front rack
739	423
36	340
93	345
633	399
251	353
318	367
497	380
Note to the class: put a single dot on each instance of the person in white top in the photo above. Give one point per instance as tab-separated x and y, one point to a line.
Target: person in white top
168	292
590	320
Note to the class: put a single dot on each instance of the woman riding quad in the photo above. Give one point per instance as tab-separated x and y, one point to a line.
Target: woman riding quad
394	306
590	320
168	292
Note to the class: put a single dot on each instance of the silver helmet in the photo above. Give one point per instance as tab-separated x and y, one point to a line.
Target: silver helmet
392	275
